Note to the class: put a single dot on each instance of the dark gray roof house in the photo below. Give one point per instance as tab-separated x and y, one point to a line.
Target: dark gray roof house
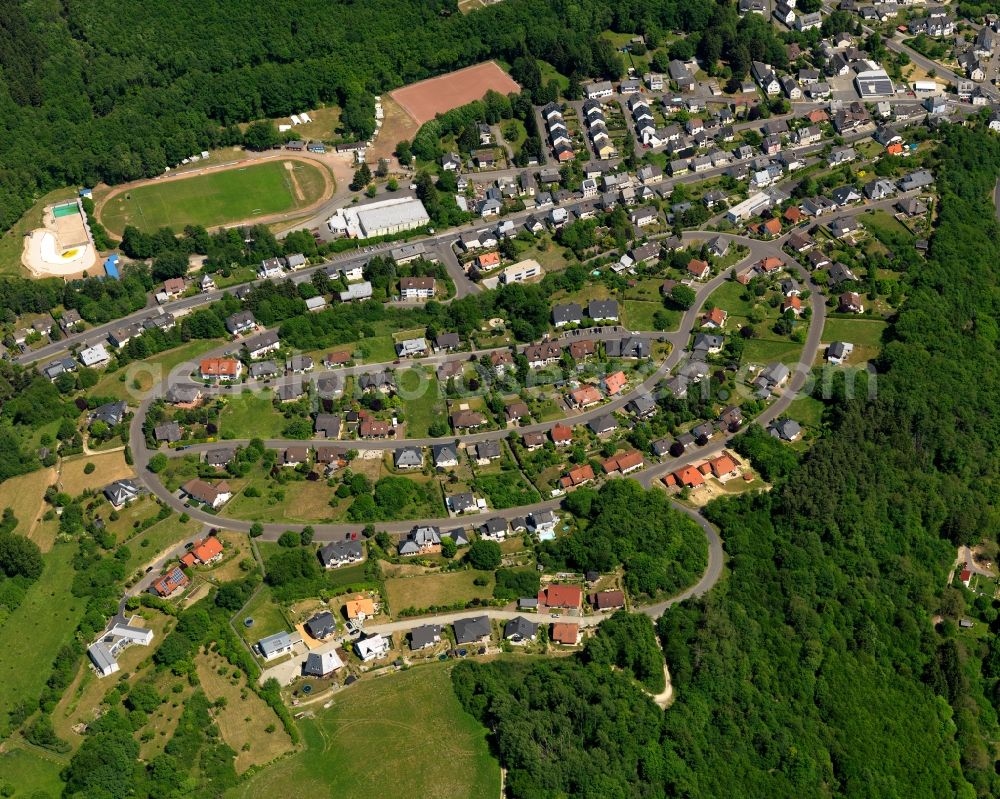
444	455
642	405
111	414
488	450
408	458
786	429
840	273
661	447
628	347
458	535
220	456
602	424
520	629
424	636
603	309
340	553
168	431
459	503
122	491
327	425
263	369
472	631
568	314
447	341
493	528
321	625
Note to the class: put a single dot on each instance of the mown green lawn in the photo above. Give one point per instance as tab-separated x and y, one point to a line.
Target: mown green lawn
858	331
807	411
882	223
377	349
765	351
44	621
729	297
638	314
266	614
387	716
250	415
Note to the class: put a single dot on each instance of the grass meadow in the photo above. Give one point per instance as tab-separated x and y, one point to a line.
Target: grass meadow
365	745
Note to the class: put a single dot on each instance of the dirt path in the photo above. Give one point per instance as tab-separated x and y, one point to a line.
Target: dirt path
296	188
324	164
666	696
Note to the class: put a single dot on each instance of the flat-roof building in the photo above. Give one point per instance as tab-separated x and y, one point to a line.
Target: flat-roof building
379	218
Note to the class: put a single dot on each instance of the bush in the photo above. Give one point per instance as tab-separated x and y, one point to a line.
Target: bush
484	555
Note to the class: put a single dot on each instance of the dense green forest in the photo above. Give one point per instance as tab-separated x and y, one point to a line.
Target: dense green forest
815	668
94	90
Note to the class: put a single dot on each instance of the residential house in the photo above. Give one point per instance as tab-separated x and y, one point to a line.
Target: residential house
577	476
416	288
473	630
461	503
168	432
838	352
372	648
487	451
262	345
408	458
850	302
121	492
519	630
567	314
421	540
786	429
241	323
568	597
172	581
424	636
566	633
341	553
327	425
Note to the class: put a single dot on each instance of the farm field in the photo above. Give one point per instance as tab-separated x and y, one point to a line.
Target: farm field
807	411
217	198
44	621
387	716
426	590
729	297
638	314
884	225
244	719
250	415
